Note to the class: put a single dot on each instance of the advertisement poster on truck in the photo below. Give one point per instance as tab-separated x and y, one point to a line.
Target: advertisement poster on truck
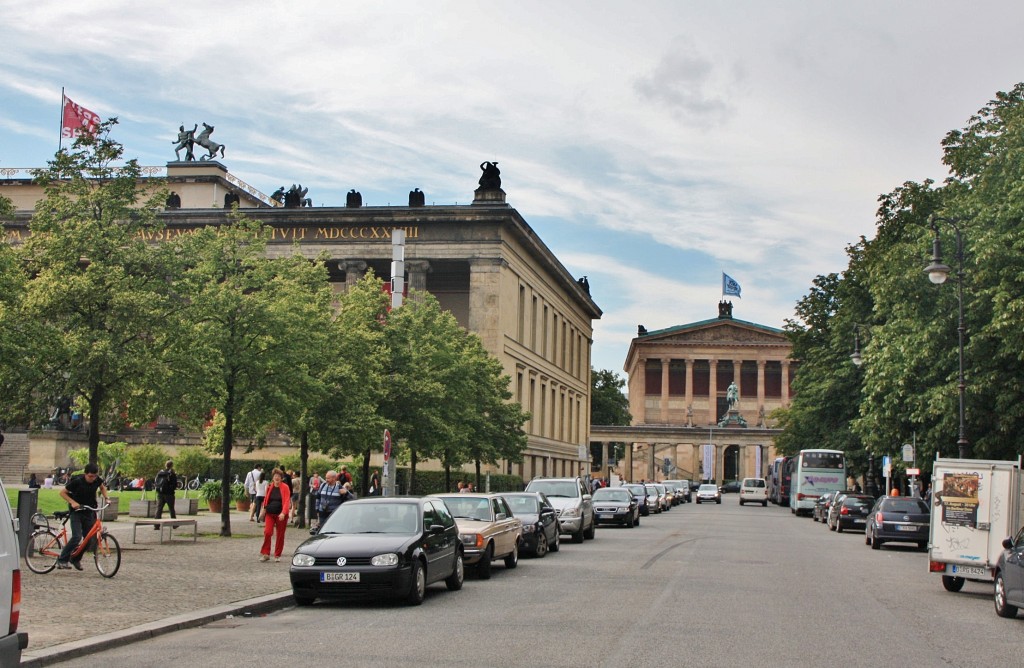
960	499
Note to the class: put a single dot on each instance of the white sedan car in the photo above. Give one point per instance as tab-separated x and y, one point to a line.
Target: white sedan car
708	492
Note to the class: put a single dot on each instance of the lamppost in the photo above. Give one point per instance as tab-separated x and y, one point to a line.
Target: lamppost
937	274
870	485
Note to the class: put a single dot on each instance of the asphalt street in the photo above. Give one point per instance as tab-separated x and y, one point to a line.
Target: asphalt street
705	585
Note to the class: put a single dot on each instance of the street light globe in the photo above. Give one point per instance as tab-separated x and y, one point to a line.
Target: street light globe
856	358
937	272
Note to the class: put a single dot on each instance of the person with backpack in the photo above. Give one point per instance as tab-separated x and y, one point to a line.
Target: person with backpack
165	484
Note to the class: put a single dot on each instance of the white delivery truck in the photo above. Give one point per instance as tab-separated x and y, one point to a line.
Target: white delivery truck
976	503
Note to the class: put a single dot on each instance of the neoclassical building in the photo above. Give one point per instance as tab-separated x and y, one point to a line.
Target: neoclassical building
678	379
482	261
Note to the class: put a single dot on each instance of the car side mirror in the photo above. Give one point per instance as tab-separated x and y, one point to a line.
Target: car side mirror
1008	543
437	528
587	497
500	516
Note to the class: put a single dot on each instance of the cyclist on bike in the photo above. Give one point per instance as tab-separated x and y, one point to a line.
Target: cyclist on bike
81	491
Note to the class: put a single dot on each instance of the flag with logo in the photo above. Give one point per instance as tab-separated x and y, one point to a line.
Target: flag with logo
76	119
709	461
729	285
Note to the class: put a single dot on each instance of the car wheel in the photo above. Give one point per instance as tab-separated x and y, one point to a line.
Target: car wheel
839	527
512	559
483	567
875	543
304	601
952	583
764	504
1003	609
458	576
589	535
646	512
628	522
542	546
867	537
922	545
418	589
557	545
719	502
698	502
741	502
814	517
637	522
830	527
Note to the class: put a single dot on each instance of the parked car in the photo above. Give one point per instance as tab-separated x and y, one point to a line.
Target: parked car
1009	587
572	502
488	529
376	547
898	519
820	511
653	500
615	505
683	488
540	521
639	493
12	641
664	495
730	487
849	511
708	492
754	490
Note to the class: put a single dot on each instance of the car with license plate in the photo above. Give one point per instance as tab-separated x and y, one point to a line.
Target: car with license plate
616	505
820	511
849	510
1009	580
754	490
573	503
898	519
540	522
488	529
675	488
682	488
653	500
708	493
640	494
379	547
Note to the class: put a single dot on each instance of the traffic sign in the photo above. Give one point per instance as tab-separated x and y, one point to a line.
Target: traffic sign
387	446
908	452
913	471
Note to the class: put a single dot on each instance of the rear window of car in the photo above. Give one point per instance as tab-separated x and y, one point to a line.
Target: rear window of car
753	482
856	502
903	506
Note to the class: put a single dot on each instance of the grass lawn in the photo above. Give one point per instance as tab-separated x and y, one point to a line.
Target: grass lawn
50	501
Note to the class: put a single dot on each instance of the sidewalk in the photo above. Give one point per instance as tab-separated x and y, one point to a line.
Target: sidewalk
158	588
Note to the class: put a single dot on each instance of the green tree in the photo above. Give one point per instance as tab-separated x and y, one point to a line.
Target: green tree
190	462
248	351
144	461
608	406
89	316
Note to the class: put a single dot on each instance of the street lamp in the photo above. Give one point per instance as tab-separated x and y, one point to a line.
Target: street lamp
937	274
870	485
855	356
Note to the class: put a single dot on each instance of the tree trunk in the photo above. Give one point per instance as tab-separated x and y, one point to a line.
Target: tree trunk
447	476
477	487
412	472
300	520
364	484
225	475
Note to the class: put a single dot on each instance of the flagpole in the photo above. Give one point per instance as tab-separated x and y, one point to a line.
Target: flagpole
60	126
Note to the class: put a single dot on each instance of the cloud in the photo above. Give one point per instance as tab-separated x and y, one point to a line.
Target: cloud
690	84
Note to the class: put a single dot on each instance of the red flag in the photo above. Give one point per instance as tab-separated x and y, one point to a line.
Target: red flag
77	119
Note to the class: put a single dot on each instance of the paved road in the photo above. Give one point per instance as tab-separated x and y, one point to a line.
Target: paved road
709	585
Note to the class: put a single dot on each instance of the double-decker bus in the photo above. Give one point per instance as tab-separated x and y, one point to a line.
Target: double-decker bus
779	478
815	472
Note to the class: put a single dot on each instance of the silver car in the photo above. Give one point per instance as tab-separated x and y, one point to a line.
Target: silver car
708	492
572	502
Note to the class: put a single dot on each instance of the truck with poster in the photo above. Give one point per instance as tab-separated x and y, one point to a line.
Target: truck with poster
976	503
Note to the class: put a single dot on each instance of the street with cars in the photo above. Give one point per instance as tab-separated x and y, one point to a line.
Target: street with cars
710	584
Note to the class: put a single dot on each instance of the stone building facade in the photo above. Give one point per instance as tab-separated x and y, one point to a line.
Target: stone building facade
482	261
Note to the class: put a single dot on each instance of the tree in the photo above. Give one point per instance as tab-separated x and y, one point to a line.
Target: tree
144	461
253	333
88	317
190	462
608	404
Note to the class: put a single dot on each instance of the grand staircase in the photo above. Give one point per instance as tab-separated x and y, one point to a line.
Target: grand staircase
14	457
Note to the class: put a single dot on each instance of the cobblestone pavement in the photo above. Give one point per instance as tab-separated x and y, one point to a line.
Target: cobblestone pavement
155	581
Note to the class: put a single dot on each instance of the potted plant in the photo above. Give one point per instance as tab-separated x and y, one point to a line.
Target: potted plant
240	496
210	491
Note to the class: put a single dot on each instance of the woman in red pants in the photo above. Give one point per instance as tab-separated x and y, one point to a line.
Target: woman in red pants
276	506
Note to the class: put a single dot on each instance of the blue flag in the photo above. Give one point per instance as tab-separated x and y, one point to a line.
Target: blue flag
729	285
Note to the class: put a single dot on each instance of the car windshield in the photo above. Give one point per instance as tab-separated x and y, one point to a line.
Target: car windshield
708	488
399	518
904	506
567	489
606	494
522	505
468	507
651	491
637	490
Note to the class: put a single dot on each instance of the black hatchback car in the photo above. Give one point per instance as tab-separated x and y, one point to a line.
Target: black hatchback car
849	511
898	519
379	547
540	521
639	493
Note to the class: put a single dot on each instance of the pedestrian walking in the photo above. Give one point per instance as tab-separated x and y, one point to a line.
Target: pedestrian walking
250	488
329	497
375	483
276	507
261	493
165	483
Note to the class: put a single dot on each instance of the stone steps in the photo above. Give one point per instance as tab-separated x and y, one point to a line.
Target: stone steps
14	457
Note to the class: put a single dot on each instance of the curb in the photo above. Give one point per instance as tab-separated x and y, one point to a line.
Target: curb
67	651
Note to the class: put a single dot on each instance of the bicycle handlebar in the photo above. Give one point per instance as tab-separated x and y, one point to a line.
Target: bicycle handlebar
80	507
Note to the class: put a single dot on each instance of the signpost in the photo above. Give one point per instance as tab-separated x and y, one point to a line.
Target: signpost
387	486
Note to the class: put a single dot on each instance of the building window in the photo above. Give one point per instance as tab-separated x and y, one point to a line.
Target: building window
724	375
773	379
677	377
522	314
652	378
533	325
544	334
748	379
701	378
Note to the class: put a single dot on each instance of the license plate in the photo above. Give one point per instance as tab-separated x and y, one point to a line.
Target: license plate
903	527
859	521
605	516
977	571
339	577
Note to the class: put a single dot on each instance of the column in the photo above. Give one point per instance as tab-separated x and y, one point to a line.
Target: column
785	382
608	451
664	389
354	271
713	392
760	384
417	270
628	468
650	461
676	459
484	307
689	381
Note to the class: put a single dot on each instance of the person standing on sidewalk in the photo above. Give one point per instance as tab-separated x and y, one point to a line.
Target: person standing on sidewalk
261	493
165	484
81	491
276	506
250	487
328	497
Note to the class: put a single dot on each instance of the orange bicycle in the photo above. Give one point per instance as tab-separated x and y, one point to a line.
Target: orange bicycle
44	545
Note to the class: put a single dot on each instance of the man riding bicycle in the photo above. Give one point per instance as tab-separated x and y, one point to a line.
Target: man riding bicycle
81	491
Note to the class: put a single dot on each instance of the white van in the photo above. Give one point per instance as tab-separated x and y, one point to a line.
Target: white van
11	642
754	490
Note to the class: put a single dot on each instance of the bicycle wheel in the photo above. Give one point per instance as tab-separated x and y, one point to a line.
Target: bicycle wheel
108	555
180	485
194	483
41	551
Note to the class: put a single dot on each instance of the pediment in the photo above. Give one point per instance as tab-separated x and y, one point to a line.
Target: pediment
724	333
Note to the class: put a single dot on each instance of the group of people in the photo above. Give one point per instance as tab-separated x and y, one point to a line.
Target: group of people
465	487
273	503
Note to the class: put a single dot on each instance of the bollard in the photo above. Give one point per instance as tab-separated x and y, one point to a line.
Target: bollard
28	502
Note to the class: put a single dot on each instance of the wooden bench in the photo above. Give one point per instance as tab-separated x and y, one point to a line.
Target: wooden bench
170	523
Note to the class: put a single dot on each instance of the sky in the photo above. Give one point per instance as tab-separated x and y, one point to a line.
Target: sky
651	145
